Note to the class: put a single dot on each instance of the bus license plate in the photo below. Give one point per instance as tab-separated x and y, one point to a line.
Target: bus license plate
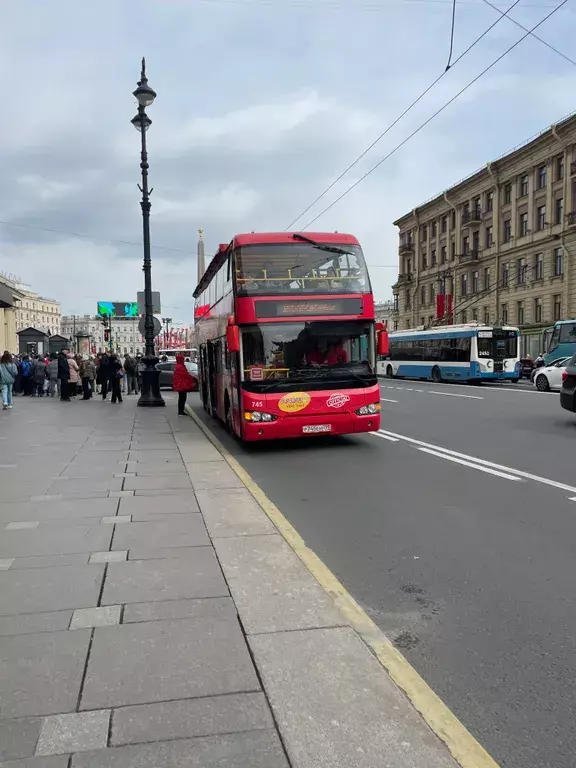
317	428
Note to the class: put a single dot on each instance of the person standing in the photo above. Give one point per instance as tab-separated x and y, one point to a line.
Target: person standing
104	374
63	375
26	376
52	374
182	383
74	376
116	374
87	374
8	373
39	374
131	374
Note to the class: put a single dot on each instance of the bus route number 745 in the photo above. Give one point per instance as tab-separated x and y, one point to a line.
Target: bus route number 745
257	403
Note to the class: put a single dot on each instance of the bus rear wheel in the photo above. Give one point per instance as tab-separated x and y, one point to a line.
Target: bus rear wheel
389	372
436	376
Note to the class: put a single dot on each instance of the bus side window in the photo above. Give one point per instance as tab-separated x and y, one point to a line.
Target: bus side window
555	338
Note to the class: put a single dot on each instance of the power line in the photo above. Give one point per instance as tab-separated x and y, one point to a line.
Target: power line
389	128
91	237
452	35
337	6
435	114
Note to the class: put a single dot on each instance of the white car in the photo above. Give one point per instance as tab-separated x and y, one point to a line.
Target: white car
550	376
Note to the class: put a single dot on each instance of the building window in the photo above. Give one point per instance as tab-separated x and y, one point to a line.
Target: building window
507	193
489	237
475	282
395	297
424	260
540	217
433	229
464	284
507	230
486	316
453	220
465	210
443	254
432	294
463	317
521	271
523	224
486	278
475	315
490	201
452	250
433	258
560	168
504	314
395	325
476	240
422	295
424	232
409	265
505	274
558	262
523	185
559	210
557	304
444	224
465	245
537	310
538	266
541	176
476	205
520	312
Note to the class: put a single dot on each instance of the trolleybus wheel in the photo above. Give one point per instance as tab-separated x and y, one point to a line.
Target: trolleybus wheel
436	375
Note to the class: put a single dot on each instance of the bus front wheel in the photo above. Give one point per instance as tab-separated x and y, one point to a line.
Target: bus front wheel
436	376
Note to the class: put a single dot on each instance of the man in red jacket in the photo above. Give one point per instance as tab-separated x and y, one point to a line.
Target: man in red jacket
182	383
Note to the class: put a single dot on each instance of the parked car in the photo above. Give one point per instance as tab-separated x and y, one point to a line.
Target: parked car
526	367
568	391
550	376
167	372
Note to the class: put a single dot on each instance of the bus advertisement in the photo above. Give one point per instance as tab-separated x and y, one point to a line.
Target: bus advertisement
562	341
470	352
286	336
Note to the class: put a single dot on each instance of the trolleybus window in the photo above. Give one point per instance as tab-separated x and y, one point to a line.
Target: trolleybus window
500	344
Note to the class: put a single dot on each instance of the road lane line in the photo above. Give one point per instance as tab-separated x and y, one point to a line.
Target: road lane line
470	464
511	470
465	749
454	394
387	400
384	437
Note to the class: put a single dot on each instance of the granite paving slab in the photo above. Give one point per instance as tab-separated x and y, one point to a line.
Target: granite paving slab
54	761
50	589
31	623
206	608
233	512
43	510
54	541
176	531
212	474
18	737
157	482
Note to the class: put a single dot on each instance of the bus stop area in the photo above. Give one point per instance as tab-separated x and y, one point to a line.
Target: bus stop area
152	614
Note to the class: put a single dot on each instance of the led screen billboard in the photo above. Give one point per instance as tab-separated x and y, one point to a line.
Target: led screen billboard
118	308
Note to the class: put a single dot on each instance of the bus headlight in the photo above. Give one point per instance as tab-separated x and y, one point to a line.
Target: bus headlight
259	416
368	410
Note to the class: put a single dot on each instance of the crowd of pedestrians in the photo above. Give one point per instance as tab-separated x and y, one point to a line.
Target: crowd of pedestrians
68	376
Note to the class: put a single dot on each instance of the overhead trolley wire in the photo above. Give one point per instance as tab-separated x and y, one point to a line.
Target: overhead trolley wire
434	115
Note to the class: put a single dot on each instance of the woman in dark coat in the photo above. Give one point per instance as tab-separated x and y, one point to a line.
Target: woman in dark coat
182	383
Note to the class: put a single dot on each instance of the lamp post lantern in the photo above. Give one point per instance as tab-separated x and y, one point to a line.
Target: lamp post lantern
150	396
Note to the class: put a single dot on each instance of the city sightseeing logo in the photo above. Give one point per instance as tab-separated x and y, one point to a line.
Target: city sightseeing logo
337	400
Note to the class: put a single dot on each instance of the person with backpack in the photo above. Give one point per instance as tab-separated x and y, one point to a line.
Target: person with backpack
39	376
116	373
8	373
87	374
130	366
26	376
52	375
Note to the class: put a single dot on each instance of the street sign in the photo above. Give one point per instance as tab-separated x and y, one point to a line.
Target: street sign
142	326
155	303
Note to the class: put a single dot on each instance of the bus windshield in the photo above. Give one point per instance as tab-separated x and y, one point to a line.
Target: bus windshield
500	344
319	354
300	267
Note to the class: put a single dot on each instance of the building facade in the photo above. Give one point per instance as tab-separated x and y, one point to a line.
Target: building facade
9	298
86	334
38	312
384	313
502	243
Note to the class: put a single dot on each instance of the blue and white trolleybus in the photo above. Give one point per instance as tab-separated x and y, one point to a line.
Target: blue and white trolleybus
470	352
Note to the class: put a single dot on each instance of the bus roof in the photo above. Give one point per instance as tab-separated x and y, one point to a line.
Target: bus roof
265	238
446	330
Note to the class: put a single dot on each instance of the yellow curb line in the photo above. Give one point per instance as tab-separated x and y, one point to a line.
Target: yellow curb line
462	745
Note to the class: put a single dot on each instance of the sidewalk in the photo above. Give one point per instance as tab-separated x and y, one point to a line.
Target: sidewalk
151	615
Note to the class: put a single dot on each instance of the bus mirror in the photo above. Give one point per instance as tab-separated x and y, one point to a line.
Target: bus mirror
233	338
382	343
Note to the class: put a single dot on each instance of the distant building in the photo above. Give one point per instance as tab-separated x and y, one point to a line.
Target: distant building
9	297
384	312
502	242
86	334
37	311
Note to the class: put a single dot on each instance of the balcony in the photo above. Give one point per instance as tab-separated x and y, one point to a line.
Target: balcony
469	256
405	248
405	277
471	217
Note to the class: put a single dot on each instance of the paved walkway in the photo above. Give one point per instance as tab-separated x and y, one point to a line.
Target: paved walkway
151	616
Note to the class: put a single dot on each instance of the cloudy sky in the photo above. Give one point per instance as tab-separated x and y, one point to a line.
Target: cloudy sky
261	104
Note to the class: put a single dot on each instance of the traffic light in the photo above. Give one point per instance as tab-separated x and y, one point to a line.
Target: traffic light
107	334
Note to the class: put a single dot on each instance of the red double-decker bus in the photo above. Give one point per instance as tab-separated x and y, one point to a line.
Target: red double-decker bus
286	336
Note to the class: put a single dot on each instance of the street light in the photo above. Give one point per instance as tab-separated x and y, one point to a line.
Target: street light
166	321
150	396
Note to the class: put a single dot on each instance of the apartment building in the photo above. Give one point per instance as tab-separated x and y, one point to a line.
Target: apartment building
384	312
86	334
37	312
502	242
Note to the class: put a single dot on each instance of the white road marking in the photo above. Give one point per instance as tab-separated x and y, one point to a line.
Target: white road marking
571	498
518	472
418	390
455	394
384	437
386	400
470	464
409	390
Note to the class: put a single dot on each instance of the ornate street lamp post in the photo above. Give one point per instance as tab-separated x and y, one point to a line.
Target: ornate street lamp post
150	395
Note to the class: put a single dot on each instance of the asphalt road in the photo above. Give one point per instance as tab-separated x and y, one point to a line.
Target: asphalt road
469	567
